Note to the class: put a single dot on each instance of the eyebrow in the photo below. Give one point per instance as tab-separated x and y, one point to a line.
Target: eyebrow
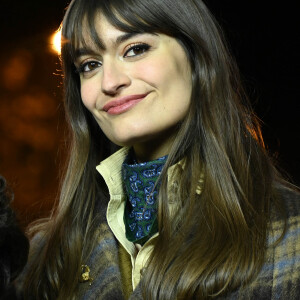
120	39
126	36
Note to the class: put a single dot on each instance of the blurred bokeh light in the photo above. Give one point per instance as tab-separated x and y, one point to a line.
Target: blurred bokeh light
56	41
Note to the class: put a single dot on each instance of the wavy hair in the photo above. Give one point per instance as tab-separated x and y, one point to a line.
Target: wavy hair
217	240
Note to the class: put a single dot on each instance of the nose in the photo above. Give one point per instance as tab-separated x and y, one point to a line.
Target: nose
114	78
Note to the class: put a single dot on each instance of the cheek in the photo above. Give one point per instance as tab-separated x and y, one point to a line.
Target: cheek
89	95
164	73
149	72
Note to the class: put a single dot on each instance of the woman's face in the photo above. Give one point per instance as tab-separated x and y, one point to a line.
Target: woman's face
137	87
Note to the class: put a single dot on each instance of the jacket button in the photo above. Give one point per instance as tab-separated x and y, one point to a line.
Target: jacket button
142	271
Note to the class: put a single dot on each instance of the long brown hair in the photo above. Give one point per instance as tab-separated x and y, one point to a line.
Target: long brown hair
216	242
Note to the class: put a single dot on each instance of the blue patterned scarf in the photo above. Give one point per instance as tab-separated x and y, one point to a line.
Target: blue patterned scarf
140	215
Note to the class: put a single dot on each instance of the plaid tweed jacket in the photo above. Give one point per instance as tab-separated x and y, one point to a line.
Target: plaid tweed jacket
279	277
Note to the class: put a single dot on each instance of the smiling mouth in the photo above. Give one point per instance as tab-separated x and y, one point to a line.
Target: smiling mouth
123	104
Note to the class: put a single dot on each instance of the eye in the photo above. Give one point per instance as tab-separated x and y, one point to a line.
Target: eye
89	66
136	50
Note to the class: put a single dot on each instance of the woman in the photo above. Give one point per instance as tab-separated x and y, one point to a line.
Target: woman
190	207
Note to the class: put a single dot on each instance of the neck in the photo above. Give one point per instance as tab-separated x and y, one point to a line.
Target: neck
152	149
146	152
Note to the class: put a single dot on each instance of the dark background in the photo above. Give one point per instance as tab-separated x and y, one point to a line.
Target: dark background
264	38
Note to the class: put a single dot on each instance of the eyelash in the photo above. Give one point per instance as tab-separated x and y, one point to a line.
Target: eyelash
96	64
142	46
81	68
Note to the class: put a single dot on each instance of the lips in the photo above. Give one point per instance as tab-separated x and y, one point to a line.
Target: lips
123	104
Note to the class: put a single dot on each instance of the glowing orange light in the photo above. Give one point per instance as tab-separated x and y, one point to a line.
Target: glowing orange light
56	41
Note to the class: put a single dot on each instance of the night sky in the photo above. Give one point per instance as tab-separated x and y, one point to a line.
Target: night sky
264	40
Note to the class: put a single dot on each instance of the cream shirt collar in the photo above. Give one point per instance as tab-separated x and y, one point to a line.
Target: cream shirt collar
111	171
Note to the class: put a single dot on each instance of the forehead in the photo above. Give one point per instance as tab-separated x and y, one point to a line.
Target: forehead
101	32
103	28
